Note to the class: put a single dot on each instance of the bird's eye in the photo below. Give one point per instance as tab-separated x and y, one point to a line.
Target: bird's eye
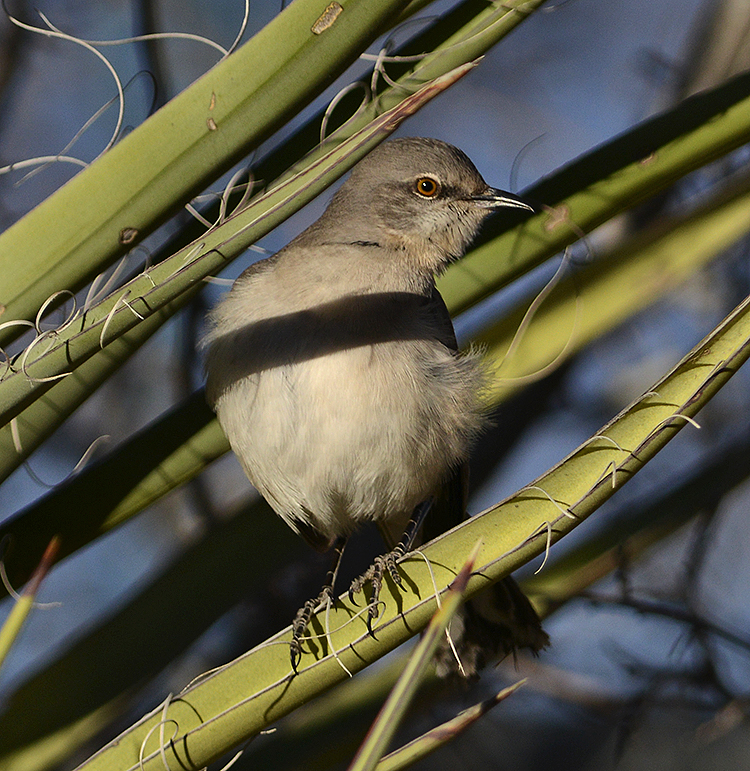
427	187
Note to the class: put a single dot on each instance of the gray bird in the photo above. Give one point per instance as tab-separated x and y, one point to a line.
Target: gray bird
333	366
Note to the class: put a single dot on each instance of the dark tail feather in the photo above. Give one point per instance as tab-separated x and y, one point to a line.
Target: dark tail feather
498	621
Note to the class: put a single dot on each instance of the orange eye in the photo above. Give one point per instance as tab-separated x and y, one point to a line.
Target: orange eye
427	187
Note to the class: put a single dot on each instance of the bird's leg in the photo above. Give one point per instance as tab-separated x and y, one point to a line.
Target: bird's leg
302	619
388	562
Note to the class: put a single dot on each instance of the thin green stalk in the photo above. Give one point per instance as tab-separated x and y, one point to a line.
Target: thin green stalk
425	745
600	185
11	628
183	442
42	417
125	194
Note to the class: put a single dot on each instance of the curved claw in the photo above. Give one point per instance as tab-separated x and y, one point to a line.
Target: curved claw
304	614
356	587
295	654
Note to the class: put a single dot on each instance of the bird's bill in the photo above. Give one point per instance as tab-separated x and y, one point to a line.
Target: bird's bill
493	198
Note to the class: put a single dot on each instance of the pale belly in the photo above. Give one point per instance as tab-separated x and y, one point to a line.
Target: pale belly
362	434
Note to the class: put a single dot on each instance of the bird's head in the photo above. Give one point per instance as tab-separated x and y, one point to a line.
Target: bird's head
420	196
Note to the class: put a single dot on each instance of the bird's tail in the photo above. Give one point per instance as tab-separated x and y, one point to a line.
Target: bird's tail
499	621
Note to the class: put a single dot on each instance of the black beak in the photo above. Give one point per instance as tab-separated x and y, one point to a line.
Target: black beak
492	198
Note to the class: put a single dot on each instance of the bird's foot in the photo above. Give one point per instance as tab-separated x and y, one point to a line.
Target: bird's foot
304	614
389	563
374	576
301	620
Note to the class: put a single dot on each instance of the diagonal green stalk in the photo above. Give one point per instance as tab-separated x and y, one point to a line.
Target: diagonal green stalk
425	745
698	490
106	494
684	245
64	686
451	40
39	420
172	156
694	133
42	417
553	586
24	604
484	25
138	640
616	286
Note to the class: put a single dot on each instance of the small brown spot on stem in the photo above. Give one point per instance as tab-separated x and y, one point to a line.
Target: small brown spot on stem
128	235
327	18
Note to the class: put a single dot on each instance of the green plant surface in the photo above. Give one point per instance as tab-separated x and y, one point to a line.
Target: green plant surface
447	47
49	705
51	715
233	703
616	286
127	192
465	32
541	236
345	711
62	509
55	747
104	495
73	698
697	490
20	437
24	603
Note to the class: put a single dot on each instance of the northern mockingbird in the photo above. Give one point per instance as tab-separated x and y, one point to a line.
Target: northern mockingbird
334	371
